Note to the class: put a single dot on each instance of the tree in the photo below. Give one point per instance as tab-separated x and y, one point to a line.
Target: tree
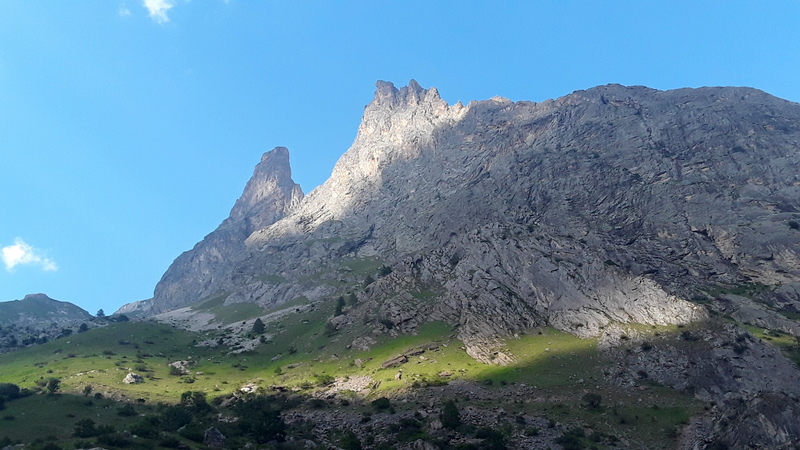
339	307
100	313
53	384
84	428
258	326
9	391
83	328
450	417
87	390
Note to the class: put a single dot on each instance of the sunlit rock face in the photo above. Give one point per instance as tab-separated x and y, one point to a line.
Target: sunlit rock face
614	204
268	196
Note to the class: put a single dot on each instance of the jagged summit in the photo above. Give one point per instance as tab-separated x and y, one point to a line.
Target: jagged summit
269	195
589	213
387	95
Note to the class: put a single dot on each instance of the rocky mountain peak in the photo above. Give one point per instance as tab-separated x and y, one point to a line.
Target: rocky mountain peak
36	297
388	96
269	195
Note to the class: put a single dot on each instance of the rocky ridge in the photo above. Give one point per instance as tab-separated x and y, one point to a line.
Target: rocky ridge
615	204
268	196
608	206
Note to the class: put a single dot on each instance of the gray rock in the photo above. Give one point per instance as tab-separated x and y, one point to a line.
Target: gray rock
610	205
213	438
133	378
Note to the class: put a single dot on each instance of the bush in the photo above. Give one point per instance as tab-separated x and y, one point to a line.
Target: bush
169	442
349	441
9	391
84	428
450	417
325	380
592	400
258	326
53	384
114	440
340	303
126	411
193	431
381	404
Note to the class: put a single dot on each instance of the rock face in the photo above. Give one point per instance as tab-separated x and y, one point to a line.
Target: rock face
611	204
269	196
133	378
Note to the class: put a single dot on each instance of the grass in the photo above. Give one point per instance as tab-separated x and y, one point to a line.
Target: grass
560	367
786	342
56	415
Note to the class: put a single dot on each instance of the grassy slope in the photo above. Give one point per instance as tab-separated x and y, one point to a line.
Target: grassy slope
562	368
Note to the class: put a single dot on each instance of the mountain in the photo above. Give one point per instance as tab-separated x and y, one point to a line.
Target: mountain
39	309
197	273
595	213
37	318
614	204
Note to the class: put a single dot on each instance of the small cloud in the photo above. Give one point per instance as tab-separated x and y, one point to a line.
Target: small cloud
158	9
124	12
22	253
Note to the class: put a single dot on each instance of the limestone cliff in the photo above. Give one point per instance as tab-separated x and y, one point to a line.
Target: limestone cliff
268	196
614	204
608	206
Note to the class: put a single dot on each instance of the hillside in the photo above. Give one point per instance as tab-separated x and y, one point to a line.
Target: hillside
37	309
652	227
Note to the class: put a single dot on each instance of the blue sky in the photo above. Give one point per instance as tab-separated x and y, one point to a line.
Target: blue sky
128	128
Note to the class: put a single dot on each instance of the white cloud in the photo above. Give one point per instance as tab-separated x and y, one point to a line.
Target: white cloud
124	12
22	253
158	9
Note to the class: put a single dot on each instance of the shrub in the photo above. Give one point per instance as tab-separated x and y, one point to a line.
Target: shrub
53	384
325	380
349	441
258	326
592	400
126	411
794	225
84	428
340	303
9	390
450	417
381	404
169	442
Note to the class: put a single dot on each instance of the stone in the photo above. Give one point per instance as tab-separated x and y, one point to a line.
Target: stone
394	362
133	378
213	438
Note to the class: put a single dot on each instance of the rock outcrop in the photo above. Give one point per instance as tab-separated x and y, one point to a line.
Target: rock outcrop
268	196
